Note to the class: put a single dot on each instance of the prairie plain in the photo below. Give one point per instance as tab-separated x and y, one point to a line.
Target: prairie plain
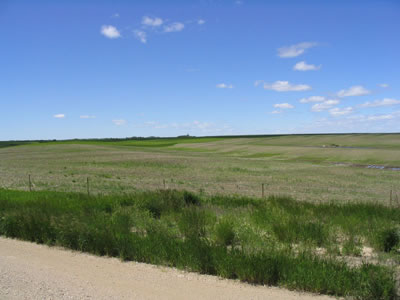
317	168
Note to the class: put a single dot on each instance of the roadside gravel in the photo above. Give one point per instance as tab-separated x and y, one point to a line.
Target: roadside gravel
31	271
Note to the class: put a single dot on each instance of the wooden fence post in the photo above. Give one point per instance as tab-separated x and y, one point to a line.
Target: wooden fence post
30	183
164	183
87	186
391	197
262	190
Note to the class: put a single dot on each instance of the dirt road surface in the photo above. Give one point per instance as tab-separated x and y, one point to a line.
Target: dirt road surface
30	271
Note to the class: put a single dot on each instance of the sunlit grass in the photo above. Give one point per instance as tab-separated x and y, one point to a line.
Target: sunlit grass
270	241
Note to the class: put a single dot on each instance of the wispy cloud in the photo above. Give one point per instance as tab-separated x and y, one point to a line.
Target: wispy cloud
312	99
274	112
356	90
224	86
119	122
174	27
283	86
116	15
354	123
196	126
87	117
59	116
110	32
383	102
341	111
379	117
201	21
283	105
324	105
153	22
140	35
383	85
303	66
295	50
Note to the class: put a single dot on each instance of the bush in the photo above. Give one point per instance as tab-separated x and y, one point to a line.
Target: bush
388	239
190	198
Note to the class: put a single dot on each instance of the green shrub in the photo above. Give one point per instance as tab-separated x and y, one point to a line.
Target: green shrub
388	239
191	199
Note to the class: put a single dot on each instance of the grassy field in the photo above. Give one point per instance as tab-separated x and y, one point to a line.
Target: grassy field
318	168
329	222
275	241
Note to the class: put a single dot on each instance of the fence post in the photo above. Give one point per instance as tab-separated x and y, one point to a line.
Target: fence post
164	183
87	186
391	194
30	183
262	190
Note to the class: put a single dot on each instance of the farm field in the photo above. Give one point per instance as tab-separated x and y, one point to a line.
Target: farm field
317	168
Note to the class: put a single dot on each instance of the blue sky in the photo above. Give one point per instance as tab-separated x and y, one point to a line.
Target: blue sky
82	69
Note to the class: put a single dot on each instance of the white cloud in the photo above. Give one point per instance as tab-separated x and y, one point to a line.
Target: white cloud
154	22
119	122
379	117
201	21
383	102
295	50
59	116
324	105
284	86
274	112
258	82
174	27
383	85
116	15
87	117
141	36
312	99
224	86
283	105
356	90
303	66
110	32
341	111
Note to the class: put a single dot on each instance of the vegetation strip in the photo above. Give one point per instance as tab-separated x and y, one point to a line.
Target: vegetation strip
270	241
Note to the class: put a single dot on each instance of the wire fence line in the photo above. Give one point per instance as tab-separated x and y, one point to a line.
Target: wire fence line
87	186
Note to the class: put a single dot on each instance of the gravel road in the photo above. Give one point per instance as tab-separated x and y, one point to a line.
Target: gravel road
30	271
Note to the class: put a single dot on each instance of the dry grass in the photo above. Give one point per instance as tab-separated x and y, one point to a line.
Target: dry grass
293	165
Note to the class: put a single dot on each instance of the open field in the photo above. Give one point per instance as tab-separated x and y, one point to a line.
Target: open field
339	236
306	167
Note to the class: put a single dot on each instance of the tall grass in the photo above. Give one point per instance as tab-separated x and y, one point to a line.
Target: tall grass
269	241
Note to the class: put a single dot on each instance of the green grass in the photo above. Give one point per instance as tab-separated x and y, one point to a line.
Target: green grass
140	142
5	144
262	241
295	165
